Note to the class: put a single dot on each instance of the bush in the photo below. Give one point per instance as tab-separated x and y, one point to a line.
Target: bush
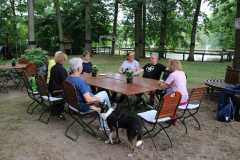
36	56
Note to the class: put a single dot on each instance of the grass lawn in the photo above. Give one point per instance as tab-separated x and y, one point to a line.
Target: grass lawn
196	72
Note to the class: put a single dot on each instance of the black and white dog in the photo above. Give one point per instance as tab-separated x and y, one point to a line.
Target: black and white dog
132	124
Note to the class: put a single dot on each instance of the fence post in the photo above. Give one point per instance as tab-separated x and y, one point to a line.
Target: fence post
183	56
221	60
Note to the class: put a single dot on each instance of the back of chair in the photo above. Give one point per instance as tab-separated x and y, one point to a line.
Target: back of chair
169	106
70	94
41	86
25	80
197	94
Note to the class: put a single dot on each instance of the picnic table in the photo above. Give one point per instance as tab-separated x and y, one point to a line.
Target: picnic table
8	73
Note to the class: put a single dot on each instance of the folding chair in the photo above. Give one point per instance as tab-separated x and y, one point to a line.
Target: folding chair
33	95
192	107
162	118
15	76
72	102
4	81
47	101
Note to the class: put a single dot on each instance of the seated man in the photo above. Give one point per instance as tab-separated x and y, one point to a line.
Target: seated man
154	69
83	90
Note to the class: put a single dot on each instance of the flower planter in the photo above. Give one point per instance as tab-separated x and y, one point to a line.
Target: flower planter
13	64
23	61
31	69
129	80
232	76
94	74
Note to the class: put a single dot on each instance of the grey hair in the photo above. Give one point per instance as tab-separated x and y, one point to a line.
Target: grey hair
155	55
75	64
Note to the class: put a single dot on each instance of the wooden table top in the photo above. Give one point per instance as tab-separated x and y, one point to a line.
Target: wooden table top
117	83
9	66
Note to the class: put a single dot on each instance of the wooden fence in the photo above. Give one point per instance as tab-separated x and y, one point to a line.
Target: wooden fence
220	55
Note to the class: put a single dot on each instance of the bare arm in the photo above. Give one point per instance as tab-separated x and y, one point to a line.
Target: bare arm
120	70
163	85
89	98
139	71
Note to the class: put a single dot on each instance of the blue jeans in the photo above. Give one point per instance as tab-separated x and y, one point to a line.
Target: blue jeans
104	99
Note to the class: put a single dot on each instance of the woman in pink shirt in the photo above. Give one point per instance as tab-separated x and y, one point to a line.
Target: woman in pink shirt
176	81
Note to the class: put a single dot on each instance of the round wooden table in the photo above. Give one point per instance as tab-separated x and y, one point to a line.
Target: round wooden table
217	84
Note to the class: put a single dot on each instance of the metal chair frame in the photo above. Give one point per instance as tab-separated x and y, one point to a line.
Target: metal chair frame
196	96
4	81
169	101
47	103
78	117
33	95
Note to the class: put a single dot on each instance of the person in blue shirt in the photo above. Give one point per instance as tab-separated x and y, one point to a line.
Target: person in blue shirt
87	64
83	90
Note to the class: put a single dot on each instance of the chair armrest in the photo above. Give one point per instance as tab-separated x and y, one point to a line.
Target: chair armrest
57	91
97	103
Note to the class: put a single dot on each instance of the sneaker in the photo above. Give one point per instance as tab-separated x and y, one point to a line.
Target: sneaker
105	115
62	117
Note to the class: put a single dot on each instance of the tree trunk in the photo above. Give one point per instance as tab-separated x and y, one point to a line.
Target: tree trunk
14	33
236	60
139	42
163	30
31	32
143	28
59	24
12	2
194	30
114	38
88	38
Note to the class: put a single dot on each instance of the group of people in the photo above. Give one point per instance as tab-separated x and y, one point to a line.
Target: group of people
171	78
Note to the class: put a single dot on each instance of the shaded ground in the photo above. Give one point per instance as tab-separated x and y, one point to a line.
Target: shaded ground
23	137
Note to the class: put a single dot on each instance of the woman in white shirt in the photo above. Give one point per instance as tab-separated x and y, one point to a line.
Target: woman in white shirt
130	64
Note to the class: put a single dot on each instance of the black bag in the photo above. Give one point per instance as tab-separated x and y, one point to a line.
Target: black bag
226	109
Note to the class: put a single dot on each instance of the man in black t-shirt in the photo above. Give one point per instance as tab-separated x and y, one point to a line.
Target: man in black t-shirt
154	69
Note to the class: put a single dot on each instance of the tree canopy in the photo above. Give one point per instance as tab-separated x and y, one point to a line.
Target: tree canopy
168	23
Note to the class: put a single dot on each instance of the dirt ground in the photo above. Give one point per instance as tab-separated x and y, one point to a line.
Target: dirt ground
23	137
